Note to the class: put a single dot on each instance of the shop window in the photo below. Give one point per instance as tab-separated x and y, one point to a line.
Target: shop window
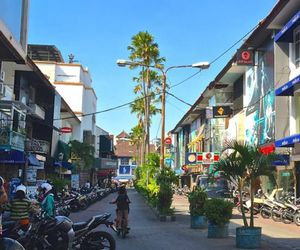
297	47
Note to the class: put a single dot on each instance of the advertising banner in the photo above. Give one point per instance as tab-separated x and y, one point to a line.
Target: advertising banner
75	181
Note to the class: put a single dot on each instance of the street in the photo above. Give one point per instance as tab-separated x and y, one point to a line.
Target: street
148	233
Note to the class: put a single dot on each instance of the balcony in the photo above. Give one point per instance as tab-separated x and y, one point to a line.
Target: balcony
37	111
11	140
37	146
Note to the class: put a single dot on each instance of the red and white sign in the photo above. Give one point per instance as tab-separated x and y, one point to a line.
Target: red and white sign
208	157
168	140
65	130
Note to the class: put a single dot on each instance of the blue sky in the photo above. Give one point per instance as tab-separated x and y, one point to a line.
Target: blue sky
98	33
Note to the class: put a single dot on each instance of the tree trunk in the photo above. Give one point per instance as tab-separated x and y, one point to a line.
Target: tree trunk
241	204
148	113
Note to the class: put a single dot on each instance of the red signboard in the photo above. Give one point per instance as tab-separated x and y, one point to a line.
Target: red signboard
245	57
65	130
168	140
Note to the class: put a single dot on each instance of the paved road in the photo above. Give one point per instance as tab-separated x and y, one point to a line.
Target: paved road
147	233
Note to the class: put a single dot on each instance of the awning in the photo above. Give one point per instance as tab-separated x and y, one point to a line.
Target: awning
33	161
288	141
12	156
286	33
199	137
288	88
64	164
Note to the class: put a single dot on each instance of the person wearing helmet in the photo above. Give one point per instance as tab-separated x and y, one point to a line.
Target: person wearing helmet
122	210
48	200
3	200
20	206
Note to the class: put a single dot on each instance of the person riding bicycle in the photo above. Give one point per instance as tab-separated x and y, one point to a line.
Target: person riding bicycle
20	207
48	205
122	210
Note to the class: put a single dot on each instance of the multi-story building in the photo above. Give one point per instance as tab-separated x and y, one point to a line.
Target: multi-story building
240	103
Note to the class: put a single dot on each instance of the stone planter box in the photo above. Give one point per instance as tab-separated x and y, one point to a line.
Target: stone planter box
198	221
217	231
248	238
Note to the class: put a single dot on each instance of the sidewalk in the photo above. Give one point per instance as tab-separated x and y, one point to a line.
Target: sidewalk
276	235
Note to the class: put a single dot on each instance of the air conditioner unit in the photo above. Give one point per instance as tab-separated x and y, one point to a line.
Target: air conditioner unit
2	76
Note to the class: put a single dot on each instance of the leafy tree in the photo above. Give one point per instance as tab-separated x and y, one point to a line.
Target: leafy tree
83	154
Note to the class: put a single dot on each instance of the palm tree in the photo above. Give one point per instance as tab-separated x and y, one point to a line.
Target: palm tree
245	164
145	51
136	137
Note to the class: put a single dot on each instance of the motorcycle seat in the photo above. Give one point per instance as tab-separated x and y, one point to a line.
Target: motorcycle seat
80	225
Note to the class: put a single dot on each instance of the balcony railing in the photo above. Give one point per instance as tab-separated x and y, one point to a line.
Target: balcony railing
37	146
11	140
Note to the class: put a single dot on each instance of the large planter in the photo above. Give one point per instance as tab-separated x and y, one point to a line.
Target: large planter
217	231
248	237
198	221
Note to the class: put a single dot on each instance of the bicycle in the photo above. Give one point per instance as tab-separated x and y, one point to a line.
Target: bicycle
124	229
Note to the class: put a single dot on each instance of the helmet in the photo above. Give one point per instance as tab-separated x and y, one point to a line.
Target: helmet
21	188
46	187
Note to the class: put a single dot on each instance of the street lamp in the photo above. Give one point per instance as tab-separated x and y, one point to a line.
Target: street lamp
200	65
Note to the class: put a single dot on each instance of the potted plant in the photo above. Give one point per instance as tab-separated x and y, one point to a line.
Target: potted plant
197	200
244	164
218	213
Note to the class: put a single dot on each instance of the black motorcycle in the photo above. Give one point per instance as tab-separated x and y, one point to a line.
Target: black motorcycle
62	234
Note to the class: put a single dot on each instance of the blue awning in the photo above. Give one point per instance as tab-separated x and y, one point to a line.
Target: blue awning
288	88
33	161
286	33
288	141
12	156
64	164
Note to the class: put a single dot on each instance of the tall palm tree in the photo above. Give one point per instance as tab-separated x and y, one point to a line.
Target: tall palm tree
136	138
145	51
245	163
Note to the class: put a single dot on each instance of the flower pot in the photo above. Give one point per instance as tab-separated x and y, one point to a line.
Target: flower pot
217	231
248	237
198	221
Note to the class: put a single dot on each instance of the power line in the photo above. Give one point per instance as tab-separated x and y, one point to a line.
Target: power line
177	98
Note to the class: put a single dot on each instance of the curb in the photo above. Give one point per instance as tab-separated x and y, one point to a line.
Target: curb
162	218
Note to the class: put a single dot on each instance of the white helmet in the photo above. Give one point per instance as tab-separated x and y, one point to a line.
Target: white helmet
46	186
21	188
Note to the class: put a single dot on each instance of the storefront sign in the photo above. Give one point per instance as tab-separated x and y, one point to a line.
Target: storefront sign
221	111
75	181
191	158
208	157
244	57
65	130
168	140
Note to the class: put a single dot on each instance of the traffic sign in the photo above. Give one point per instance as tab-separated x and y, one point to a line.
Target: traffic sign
168	140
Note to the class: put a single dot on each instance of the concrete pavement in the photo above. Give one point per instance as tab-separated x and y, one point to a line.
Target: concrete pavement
147	233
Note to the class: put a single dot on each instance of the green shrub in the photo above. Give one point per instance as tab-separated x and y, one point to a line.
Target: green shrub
218	211
197	199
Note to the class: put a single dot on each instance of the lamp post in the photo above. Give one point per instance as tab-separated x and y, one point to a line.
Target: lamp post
200	65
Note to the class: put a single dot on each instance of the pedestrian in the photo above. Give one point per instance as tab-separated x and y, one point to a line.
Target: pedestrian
47	204
20	207
87	185
122	211
3	200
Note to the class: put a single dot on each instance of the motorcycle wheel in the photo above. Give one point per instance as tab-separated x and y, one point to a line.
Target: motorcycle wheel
83	205
265	214
284	219
297	219
98	240
275	216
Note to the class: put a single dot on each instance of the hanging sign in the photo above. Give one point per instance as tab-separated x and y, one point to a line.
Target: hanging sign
221	111
65	130
244	57
191	158
168	140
